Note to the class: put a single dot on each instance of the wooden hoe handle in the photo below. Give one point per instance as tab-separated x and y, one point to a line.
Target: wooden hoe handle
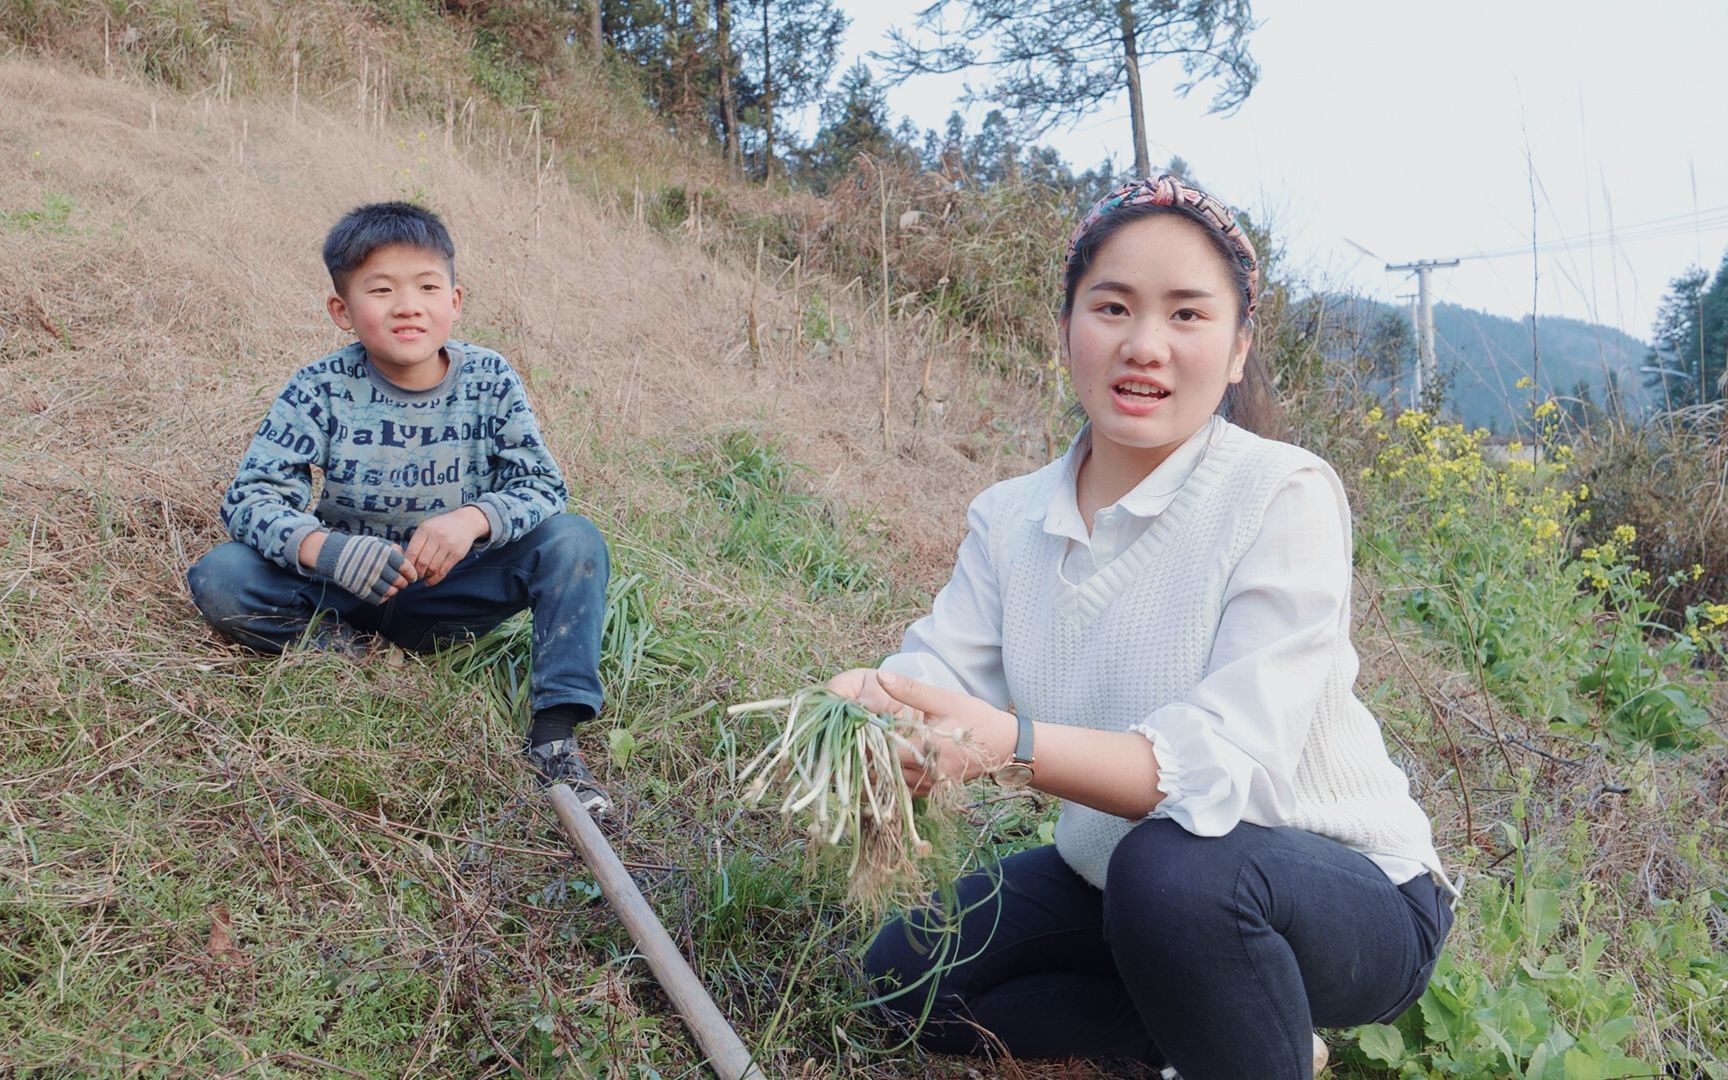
727	1054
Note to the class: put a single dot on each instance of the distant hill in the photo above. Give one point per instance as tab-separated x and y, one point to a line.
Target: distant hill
1482	357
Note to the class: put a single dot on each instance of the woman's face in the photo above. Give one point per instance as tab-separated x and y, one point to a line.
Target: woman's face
1153	338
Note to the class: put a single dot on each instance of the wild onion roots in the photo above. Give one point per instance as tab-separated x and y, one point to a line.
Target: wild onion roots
840	763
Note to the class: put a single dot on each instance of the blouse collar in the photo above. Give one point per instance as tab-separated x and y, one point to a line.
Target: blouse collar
1147	499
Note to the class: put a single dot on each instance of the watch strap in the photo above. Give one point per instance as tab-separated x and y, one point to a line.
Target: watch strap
1023	743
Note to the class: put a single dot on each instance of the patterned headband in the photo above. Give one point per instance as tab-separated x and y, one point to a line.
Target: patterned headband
1166	189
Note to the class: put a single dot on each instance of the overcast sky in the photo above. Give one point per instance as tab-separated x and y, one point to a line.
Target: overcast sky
1404	127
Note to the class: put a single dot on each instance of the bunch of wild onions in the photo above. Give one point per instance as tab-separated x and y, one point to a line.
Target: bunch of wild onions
839	762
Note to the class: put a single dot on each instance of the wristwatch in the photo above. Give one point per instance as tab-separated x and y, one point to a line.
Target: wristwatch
1017	773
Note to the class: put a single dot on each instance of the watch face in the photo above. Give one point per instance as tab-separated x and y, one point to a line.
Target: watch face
1015	774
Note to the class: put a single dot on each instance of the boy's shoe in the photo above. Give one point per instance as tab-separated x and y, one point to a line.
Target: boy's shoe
560	762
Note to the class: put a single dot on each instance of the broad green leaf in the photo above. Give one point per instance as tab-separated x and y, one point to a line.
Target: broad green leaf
1381	1042
1442	1015
1581	1066
1541	914
1612	1032
620	744
1492	1033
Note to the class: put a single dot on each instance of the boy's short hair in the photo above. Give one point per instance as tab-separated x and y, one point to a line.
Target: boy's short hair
365	229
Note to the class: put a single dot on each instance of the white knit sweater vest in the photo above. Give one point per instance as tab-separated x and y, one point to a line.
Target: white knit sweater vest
1137	635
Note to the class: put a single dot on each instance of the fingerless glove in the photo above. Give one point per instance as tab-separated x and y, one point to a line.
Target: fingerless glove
364	565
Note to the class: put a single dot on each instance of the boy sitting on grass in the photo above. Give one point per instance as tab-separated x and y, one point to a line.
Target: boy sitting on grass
441	513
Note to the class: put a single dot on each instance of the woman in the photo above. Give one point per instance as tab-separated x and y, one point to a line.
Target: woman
1155	629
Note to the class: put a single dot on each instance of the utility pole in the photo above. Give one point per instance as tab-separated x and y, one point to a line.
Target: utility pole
1427	368
1415	332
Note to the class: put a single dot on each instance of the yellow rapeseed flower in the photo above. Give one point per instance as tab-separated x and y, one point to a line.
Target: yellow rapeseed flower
1697	571
1716	613
1375	415
1625	534
1526	383
1547	408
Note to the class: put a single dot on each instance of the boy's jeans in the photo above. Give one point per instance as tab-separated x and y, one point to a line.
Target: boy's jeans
558	571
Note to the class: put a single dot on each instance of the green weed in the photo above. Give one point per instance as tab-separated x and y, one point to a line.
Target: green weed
824	330
54	215
1541	987
774	528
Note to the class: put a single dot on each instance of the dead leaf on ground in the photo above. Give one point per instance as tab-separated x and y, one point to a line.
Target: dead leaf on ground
221	947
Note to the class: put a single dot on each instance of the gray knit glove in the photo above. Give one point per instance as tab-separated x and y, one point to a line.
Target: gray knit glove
364	565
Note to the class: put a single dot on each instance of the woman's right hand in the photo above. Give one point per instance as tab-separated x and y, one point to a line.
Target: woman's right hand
863	686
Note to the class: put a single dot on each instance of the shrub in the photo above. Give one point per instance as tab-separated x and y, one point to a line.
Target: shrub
1668	479
1480	550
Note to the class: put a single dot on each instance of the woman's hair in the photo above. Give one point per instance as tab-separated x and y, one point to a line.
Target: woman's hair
1252	402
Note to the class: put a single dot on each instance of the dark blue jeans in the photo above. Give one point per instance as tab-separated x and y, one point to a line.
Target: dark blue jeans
1217	955
558	572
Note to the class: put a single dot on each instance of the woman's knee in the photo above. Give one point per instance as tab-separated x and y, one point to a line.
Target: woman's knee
1163	879
893	960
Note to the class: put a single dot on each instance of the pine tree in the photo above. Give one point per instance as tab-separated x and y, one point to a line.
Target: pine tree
1390	346
791	60
855	120
1671	370
669	44
1713	337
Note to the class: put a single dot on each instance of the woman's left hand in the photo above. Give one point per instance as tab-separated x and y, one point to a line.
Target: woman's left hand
971	737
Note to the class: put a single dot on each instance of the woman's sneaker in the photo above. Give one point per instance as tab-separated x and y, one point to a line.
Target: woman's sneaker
1321	1055
560	762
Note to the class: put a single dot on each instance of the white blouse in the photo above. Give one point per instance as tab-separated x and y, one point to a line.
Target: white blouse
1295	576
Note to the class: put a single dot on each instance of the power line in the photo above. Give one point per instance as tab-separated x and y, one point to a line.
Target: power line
1661	228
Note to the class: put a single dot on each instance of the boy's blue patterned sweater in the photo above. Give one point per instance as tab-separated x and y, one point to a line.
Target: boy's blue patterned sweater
392	457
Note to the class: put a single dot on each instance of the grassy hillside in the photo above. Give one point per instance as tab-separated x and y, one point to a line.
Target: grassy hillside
214	863
389	880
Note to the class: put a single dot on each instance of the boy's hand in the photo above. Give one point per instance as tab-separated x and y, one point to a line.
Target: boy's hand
441	542
370	567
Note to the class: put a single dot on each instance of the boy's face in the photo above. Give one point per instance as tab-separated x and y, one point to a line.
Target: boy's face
402	304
